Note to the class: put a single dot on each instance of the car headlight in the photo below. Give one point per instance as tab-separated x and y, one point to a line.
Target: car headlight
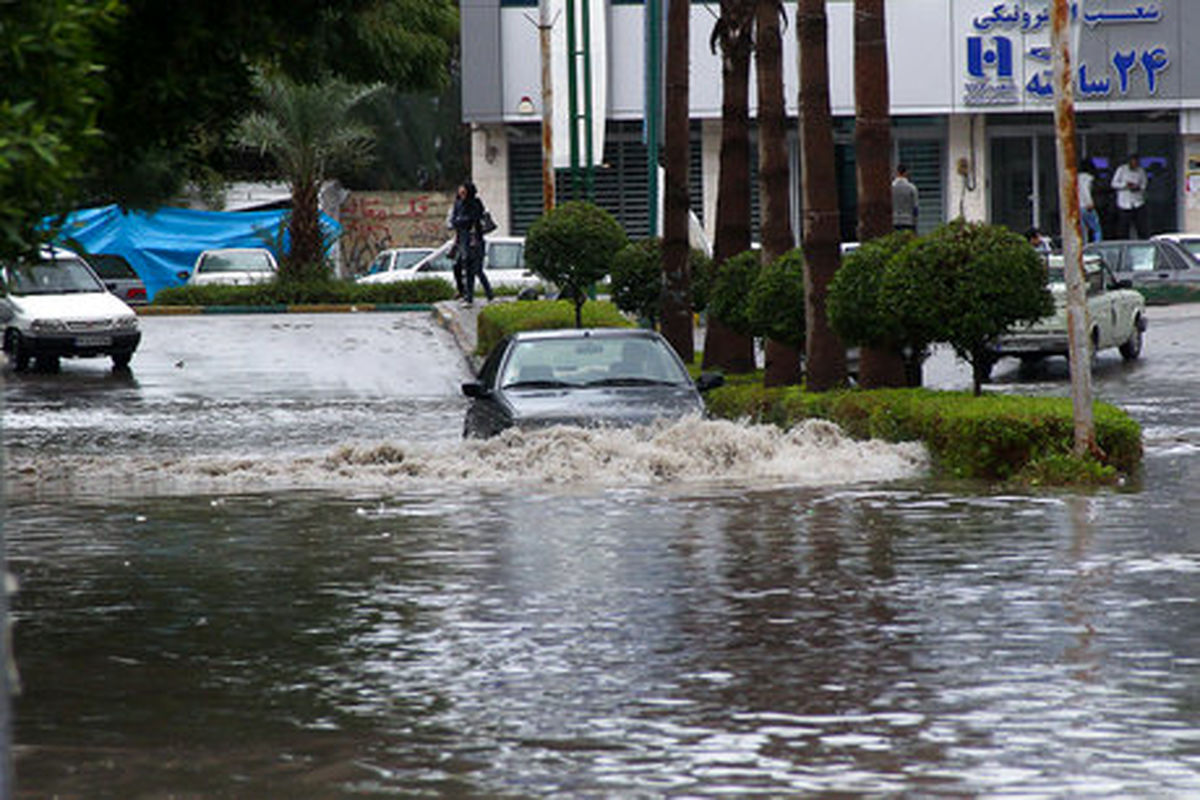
126	323
48	326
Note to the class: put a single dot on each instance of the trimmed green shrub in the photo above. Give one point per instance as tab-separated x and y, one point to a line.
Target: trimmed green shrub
729	292
497	321
310	292
965	284
637	279
858	311
1027	440
775	304
573	247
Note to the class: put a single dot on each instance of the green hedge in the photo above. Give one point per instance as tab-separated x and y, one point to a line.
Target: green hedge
312	292
994	437
498	320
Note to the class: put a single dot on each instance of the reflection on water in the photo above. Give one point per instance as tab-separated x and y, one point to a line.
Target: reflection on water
619	641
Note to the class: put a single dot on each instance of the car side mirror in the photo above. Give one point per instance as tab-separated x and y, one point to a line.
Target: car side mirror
474	389
710	380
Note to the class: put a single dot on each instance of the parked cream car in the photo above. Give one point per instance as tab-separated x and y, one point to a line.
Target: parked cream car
1116	317
234	266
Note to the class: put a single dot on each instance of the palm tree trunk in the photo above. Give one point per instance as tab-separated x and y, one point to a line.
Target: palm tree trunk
724	348
782	361
676	306
826	356
305	258
877	366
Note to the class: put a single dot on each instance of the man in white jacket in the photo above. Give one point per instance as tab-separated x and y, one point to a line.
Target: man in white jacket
1130	182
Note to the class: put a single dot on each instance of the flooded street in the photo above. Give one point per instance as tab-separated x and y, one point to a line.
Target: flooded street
266	566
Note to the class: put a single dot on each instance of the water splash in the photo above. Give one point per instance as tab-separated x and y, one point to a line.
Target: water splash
815	453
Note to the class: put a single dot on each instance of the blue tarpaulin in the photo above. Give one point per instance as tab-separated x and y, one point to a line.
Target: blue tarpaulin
161	244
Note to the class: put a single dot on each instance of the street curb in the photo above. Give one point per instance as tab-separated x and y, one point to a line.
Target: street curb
300	308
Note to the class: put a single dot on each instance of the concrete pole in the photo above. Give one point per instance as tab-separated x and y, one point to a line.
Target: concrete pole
1068	194
545	24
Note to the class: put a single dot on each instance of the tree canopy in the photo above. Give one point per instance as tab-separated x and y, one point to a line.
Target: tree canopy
52	91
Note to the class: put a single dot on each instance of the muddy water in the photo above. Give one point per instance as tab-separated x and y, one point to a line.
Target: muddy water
378	609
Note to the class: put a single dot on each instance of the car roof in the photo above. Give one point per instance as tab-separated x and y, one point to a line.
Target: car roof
237	250
584	333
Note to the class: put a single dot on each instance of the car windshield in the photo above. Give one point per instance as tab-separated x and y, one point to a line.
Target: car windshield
112	267
1192	246
593	361
53	276
406	258
249	261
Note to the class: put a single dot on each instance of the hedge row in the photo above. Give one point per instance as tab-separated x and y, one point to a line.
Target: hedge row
995	437
497	321
311	292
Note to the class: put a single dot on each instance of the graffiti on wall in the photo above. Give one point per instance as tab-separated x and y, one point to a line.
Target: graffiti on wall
374	221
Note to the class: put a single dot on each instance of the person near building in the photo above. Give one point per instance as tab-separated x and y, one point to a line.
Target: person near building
1130	181
904	201
1039	241
1087	204
468	227
456	256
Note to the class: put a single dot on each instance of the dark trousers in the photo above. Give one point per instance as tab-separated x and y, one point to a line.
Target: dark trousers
459	274
473	266
1133	217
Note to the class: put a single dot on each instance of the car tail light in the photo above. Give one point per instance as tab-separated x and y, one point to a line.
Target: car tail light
136	293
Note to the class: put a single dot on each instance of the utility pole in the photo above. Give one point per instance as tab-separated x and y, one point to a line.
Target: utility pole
545	24
1068	194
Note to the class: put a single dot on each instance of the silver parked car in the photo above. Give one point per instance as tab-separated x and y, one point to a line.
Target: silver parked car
1149	262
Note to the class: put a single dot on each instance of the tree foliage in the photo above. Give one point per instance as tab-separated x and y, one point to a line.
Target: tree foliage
729	295
180	74
573	247
638	281
50	94
310	133
775	304
964	284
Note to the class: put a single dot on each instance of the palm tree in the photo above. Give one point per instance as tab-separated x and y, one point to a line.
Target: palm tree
733	34
676	309
825	355
782	360
308	131
872	147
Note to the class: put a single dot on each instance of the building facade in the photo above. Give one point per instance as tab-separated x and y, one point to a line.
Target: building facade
970	93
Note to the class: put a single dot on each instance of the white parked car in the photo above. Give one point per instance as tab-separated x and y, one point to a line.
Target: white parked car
1116	317
503	263
56	307
393	260
235	266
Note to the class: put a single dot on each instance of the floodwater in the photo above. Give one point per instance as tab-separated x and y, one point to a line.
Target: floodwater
281	574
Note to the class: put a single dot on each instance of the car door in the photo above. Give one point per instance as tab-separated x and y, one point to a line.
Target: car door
1179	266
505	264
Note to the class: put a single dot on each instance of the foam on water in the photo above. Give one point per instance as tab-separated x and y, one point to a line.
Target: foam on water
815	453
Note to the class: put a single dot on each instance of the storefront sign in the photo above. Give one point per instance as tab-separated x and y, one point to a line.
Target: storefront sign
1121	51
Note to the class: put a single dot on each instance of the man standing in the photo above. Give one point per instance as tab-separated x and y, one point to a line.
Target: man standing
1087	204
1130	181
904	201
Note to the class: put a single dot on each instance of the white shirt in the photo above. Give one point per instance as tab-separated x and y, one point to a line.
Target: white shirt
1085	190
1130	183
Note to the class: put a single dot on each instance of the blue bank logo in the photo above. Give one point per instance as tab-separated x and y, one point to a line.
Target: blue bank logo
983	58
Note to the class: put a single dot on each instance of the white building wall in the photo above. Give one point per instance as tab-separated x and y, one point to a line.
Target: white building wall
489	171
967	169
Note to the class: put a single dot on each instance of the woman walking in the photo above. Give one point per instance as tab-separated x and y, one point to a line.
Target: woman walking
467	220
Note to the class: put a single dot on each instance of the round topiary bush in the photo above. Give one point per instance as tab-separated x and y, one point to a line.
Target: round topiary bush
729	292
776	300
636	279
572	247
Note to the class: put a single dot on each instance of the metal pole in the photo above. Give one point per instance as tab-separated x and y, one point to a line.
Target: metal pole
544	27
589	172
1068	194
653	103
573	99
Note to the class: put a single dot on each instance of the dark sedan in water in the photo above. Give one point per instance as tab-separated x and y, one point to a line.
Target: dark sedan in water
616	377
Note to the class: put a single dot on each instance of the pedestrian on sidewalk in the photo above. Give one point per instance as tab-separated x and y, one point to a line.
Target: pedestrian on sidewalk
468	226
904	201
